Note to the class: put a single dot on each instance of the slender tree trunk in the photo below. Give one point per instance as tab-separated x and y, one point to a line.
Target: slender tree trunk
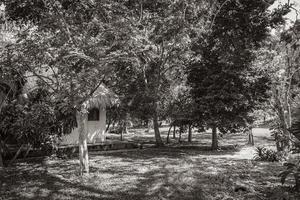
157	133
280	108
277	142
174	132
16	155
148	126
1	159
297	180
190	134
281	144
158	139
83	148
250	137
123	130
169	134
180	132
5	148
2	95
108	125
27	150
214	145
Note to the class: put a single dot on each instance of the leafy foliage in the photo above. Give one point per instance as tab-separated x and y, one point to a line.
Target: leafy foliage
264	154
292	169
225	85
279	59
37	121
180	108
161	33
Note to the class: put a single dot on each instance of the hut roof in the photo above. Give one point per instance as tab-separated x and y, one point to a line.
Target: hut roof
102	96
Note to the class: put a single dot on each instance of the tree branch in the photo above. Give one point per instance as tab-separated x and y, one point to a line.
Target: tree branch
41	77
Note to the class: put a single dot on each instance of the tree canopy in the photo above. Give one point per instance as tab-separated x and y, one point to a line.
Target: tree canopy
224	85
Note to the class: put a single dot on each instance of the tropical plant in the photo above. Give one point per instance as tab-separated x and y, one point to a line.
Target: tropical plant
292	169
269	155
35	122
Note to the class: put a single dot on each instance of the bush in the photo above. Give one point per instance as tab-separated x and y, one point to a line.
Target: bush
293	169
38	121
269	155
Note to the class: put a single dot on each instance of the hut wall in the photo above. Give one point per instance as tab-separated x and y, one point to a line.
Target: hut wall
96	131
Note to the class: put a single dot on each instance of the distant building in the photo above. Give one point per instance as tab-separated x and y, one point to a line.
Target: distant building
96	118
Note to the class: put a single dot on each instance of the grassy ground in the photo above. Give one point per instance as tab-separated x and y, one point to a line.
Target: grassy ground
176	172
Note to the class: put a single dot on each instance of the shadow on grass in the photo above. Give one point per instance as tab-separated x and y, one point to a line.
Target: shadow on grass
178	172
37	183
156	175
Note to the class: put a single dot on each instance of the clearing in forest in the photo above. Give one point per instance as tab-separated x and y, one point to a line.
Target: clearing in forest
175	172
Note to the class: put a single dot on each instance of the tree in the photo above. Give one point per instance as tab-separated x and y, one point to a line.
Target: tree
34	122
67	49
279	58
286	91
224	85
162	32
11	78
181	111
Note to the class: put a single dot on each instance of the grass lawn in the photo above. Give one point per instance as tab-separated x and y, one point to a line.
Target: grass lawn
176	172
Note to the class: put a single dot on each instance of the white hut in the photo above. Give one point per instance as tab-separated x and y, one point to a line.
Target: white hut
96	117
95	122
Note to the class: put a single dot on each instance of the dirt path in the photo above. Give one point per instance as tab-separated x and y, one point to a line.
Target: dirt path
262	137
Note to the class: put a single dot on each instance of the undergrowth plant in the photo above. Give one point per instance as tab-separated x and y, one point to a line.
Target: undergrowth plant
292	169
265	154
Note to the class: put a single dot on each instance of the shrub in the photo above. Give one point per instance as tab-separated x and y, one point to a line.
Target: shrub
293	169
264	154
38	121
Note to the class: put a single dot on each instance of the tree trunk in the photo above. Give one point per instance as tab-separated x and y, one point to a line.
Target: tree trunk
156	127
123	129
190	134
174	132
277	142
4	147
27	151
251	131
169	134
214	145
108	125
180	132
297	180
83	148
16	155
1	159
148	126
283	121
250	137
